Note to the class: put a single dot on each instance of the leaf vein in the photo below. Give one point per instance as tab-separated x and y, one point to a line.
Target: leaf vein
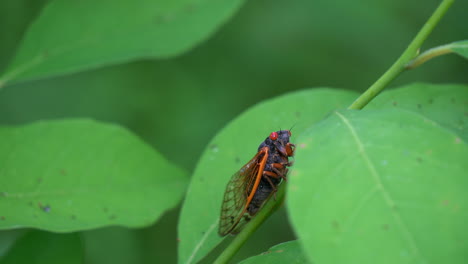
380	187
202	240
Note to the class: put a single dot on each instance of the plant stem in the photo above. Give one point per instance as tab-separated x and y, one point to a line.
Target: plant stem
250	228
429	54
399	65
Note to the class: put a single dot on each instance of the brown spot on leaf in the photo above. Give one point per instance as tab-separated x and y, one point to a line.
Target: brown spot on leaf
394	103
45	54
419	159
385	227
335	224
293	187
2	218
214	147
73	217
168	18
63	172
457	140
158	20
112	217
191	7
46	208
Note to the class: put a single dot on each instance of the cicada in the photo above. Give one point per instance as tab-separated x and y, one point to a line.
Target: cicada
250	187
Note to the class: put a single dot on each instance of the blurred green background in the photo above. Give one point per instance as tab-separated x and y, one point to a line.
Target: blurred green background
177	105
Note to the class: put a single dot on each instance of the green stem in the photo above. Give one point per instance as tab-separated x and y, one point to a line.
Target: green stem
250	228
399	65
429	54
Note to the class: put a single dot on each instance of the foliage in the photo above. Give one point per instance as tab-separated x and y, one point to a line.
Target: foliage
106	107
79	174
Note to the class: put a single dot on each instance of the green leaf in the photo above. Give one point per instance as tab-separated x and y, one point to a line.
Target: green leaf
461	48
38	247
231	148
71	36
288	252
79	174
386	186
446	104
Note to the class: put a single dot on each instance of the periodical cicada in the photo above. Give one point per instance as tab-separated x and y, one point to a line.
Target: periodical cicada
255	182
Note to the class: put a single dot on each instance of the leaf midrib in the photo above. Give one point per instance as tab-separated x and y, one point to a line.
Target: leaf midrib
381	188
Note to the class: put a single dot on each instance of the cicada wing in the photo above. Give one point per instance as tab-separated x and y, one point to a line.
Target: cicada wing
240	225
248	215
239	193
233	204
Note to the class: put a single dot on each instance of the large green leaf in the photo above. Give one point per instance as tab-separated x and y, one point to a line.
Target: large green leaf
385	186
71	36
231	148
446	104
80	174
288	252
37	247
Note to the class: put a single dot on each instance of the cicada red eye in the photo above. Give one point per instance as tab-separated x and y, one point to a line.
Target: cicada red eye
274	136
289	133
